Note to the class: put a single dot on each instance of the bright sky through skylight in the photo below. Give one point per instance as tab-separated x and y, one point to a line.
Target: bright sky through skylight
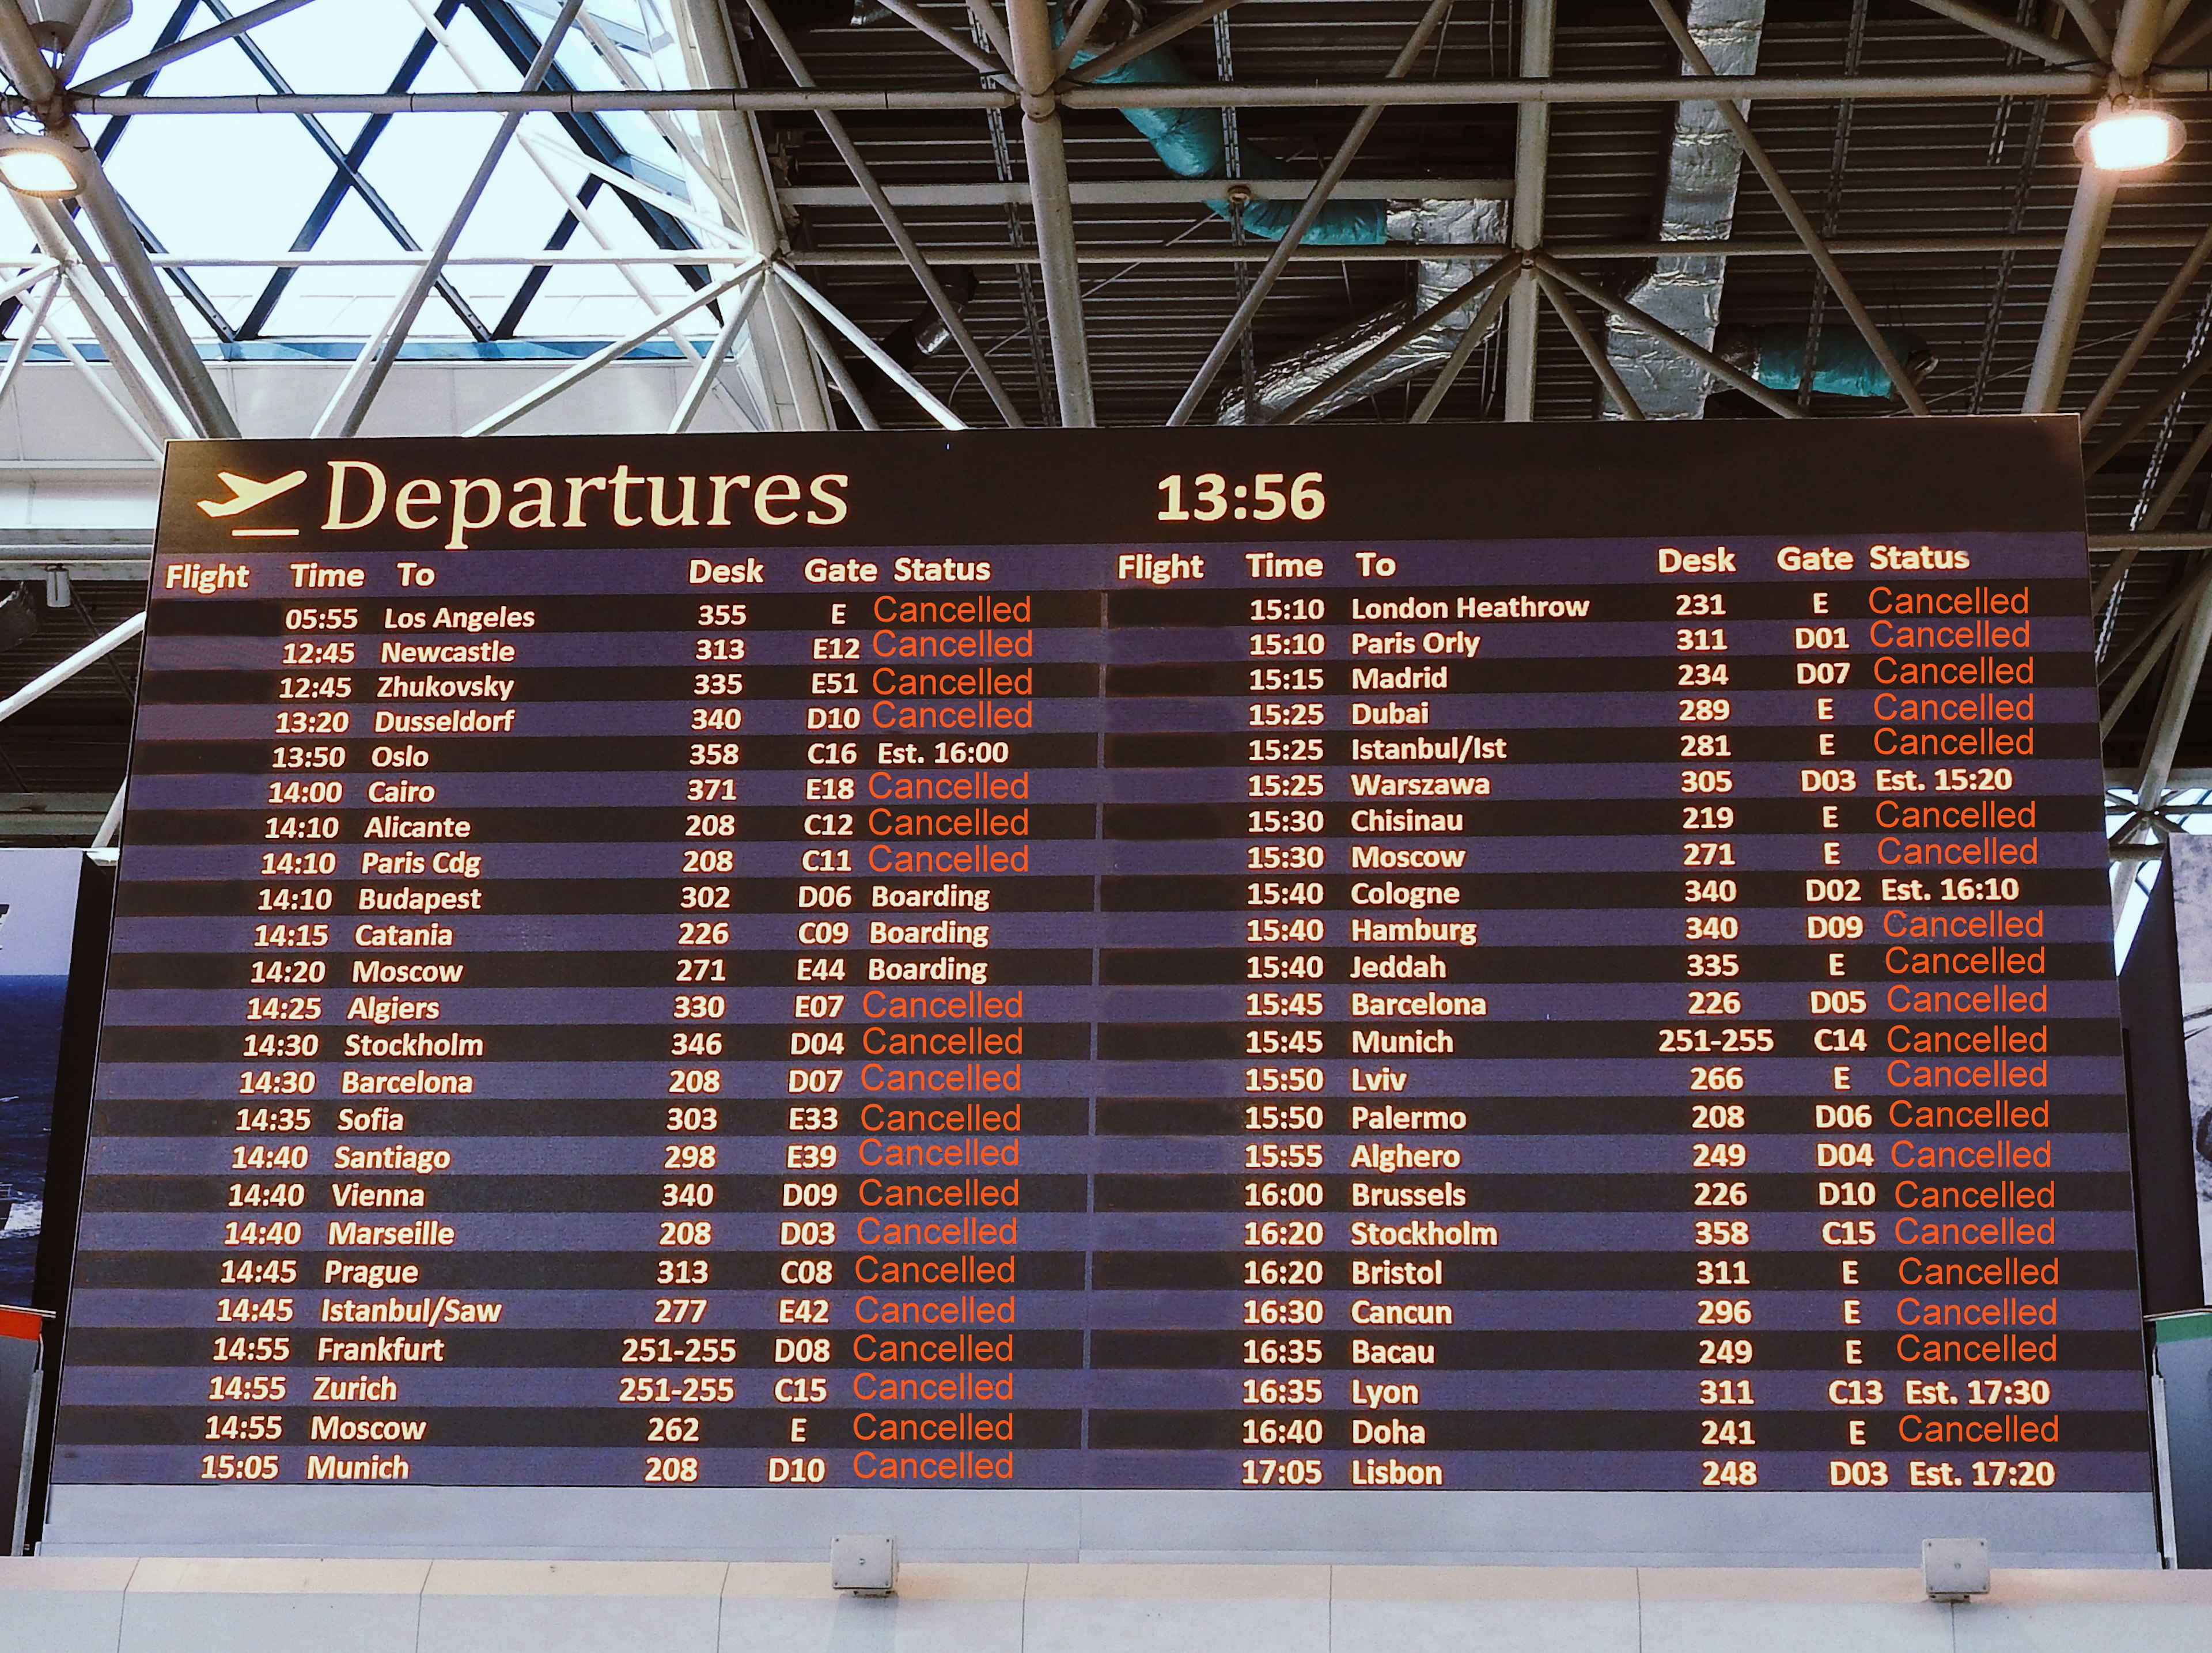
240	186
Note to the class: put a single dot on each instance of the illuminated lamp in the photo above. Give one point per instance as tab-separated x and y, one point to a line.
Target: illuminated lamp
32	164
2127	136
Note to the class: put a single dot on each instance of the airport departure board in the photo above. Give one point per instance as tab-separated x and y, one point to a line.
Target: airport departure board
1553	959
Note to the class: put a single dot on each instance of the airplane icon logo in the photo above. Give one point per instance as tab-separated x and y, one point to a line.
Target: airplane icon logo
246	493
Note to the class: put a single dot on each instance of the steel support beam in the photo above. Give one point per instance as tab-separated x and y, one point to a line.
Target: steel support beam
841	376
2004	28
111	823
359	389
2092	28
2140	420
1045	148
1156	252
982	65
350	176
230	28
1532	151
2155	632
987	20
795	396
1778	187
538	395
1264	284
2142	25
91	654
150	439
2179	45
1426	252
887	214
1502	272
2154	651
2134	40
1478	329
176	356
1157	35
710	365
94	19
2183	280
2185	468
33	315
1207	94
1608	376
1659	330
2173	701
2069	289
1148	191
874	351
1078	32
103	311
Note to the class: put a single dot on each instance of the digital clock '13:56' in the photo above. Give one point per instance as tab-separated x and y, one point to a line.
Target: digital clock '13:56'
1268	497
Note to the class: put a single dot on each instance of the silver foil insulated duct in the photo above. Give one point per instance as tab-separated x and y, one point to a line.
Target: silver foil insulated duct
1704	164
1283	382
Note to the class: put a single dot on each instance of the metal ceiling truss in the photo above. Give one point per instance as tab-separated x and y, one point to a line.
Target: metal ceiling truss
778	344
115	288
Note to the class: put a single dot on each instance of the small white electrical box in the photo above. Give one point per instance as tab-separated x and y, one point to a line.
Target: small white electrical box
1954	1568
867	1564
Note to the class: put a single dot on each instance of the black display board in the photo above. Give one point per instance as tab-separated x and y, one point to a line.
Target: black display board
1531	959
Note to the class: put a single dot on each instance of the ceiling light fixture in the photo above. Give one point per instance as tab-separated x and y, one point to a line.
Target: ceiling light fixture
32	163
2128	134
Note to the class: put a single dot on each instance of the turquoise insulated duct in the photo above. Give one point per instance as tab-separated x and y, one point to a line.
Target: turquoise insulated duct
1192	143
1846	367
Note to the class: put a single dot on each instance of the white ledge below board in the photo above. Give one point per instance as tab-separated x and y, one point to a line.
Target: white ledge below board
105	1604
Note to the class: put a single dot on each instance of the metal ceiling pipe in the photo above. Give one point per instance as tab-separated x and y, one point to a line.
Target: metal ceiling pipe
1247	307
176	356
124	73
795	396
2184	279
2173	702
103	312
2140	420
54	676
1045	148
359	390
973	252
2142	22
1146	41
2069	286
1237	94
1532	148
987	66
887	214
1600	363
1485	319
1778	187
2154	651
2004	28
1628	313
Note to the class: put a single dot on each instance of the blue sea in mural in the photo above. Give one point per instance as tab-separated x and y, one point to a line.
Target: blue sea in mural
30	1040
